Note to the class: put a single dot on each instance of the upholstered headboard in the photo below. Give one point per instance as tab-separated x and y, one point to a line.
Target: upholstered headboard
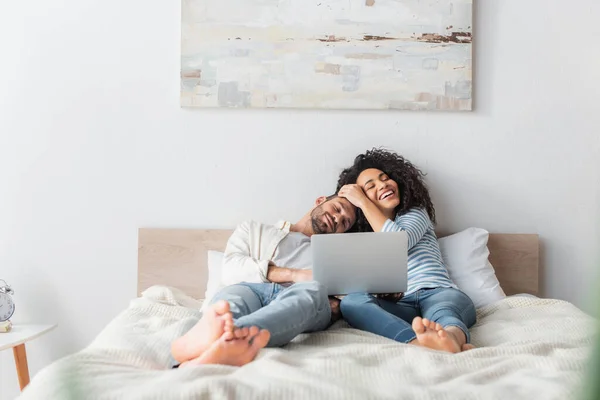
178	258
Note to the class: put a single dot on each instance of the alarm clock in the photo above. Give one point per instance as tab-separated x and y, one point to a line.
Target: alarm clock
7	305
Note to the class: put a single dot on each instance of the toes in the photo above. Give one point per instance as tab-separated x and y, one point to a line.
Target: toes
334	304
438	327
442	333
261	339
221	307
467	347
227	318
418	325
427	323
253	331
228	335
240	333
228	325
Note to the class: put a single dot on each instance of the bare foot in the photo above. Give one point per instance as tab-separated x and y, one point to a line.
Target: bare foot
336	313
467	346
433	336
216	322
235	352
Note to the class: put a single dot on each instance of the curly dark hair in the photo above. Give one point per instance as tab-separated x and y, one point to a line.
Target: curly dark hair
410	180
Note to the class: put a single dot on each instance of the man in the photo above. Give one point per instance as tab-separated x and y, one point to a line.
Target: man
271	297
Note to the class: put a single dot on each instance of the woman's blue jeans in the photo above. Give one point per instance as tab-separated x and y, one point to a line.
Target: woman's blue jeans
446	306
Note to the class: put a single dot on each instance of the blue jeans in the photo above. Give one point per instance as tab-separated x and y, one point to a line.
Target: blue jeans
446	306
285	312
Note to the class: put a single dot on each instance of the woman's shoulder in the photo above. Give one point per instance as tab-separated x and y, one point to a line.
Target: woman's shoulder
415	212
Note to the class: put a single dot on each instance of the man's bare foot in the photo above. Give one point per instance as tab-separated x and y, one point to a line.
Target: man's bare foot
235	352
433	336
215	323
336	313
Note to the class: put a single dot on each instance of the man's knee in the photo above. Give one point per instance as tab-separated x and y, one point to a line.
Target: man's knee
314	298
238	290
314	289
241	298
311	286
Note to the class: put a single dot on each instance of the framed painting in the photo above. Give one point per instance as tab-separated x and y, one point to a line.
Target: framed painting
327	54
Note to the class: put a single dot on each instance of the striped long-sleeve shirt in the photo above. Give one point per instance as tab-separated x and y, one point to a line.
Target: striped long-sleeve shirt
426	267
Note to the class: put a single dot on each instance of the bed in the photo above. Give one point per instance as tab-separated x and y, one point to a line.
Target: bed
527	347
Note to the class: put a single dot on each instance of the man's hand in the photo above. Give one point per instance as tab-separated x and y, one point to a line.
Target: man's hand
302	275
355	195
288	275
393	297
277	274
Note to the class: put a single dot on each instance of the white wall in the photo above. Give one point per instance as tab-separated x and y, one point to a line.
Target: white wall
94	145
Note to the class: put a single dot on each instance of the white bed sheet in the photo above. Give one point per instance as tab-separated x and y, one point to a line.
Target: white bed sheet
527	348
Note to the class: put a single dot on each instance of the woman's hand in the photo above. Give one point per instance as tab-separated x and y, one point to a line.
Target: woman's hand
393	297
355	195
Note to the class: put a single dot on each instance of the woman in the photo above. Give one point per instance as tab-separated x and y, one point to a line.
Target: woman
391	196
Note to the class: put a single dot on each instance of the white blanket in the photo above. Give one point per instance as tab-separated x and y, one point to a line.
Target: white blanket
528	348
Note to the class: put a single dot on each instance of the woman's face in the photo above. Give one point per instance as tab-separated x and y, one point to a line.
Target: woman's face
380	189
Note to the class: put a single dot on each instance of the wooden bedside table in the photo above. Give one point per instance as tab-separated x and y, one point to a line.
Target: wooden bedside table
16	339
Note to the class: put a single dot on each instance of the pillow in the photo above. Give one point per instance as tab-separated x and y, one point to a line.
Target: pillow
466	257
213	285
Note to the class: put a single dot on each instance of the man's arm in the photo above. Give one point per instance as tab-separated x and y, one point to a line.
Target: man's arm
238	265
277	274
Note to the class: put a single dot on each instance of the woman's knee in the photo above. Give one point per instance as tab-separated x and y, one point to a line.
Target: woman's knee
355	300
466	307
454	302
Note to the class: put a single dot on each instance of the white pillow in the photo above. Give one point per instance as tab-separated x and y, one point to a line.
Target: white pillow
214	284
466	257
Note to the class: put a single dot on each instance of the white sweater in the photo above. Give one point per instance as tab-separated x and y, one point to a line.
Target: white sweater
249	250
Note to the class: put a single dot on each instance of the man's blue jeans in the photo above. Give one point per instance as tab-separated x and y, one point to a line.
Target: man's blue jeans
284	311
446	306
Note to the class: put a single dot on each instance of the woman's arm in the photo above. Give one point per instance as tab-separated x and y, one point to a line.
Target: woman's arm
415	223
355	195
374	215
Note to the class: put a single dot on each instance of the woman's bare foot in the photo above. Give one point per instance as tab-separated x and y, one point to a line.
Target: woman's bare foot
433	336
215	323
235	352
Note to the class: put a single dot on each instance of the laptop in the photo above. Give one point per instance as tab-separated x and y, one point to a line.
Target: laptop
374	262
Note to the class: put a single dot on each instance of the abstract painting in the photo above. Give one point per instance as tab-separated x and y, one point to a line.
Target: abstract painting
327	54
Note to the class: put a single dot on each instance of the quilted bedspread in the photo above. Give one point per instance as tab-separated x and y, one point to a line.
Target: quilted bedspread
527	348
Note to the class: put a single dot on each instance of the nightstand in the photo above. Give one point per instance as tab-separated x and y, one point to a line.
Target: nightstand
16	339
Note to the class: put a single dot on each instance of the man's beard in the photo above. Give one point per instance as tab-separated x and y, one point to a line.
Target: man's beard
316	216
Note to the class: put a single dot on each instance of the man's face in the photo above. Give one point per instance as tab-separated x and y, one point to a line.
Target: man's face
333	216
